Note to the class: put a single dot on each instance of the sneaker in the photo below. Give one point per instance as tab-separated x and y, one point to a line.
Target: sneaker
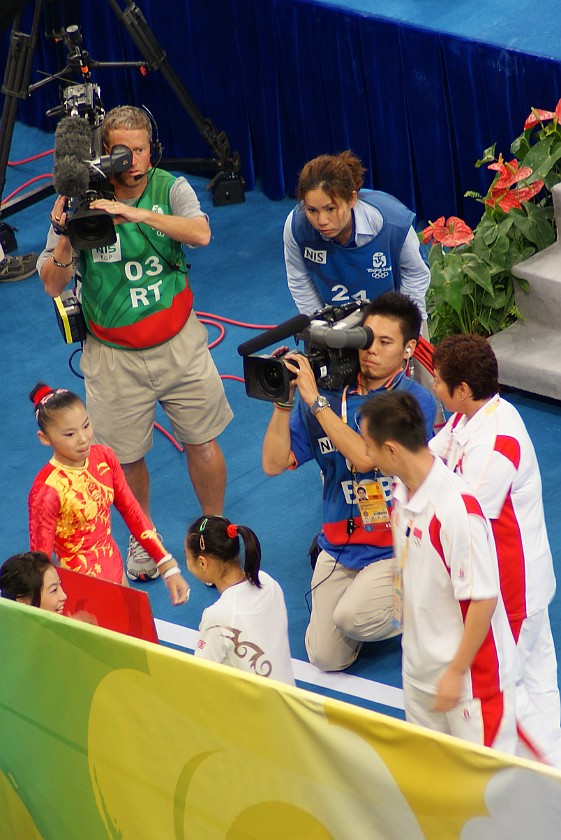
17	268
140	565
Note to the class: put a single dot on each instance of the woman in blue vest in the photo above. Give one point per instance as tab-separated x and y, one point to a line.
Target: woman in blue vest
343	243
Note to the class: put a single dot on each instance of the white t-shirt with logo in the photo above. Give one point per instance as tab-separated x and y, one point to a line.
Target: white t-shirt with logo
247	628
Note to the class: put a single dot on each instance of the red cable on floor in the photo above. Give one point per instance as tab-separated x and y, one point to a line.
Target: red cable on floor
169	437
27	184
29	159
236	323
222	331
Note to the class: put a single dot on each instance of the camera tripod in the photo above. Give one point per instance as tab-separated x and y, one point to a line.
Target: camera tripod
226	186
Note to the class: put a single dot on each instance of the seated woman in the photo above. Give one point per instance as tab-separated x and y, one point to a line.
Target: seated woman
31	578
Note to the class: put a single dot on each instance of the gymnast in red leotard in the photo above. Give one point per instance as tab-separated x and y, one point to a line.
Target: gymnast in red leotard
71	497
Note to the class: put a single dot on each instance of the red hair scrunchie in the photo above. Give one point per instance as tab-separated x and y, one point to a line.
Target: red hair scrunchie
232	531
40	394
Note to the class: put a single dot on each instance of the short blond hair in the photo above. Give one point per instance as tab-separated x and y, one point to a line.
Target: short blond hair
127	117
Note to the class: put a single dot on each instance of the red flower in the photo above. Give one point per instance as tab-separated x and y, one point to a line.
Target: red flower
510	173
451	232
426	234
507	199
537	116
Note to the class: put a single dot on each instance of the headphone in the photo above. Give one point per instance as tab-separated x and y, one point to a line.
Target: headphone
408	351
156	148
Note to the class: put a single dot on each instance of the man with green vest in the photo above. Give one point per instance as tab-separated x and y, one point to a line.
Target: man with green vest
144	342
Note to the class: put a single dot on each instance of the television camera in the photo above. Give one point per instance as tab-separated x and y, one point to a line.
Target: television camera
331	338
81	171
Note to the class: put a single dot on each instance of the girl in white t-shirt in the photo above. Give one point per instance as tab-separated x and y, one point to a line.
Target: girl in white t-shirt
247	627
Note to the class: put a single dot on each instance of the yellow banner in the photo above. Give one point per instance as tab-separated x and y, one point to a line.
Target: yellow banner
102	735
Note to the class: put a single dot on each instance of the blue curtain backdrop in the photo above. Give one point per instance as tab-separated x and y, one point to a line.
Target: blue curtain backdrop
290	79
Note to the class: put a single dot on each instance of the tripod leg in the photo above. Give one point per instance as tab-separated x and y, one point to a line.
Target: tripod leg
16	84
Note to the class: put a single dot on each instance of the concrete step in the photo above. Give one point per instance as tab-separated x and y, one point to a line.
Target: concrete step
529	352
529	358
542	304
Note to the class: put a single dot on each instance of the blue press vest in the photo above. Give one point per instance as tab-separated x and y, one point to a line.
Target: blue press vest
366	271
308	440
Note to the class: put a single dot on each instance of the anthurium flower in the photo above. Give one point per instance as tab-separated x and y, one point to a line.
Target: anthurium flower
508	199
427	233
510	173
537	116
451	232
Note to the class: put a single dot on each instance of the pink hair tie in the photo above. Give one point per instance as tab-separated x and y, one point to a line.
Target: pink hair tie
232	531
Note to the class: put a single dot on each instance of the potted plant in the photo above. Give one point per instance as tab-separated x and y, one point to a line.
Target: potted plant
472	286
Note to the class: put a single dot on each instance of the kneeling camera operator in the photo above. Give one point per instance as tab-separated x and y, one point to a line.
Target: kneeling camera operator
352	585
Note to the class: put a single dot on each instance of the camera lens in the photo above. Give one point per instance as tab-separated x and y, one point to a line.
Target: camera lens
270	377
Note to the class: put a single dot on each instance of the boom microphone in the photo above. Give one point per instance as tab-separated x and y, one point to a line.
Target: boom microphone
356	338
276	334
72	149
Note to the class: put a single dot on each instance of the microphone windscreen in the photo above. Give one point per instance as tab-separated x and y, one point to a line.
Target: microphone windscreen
72	149
73	137
278	333
70	176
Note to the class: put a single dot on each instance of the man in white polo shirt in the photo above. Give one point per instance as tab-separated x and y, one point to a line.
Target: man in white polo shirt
459	656
487	443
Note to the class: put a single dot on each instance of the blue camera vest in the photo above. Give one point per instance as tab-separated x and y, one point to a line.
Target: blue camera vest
365	272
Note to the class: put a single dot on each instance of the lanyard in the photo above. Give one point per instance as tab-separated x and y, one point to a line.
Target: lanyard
398	567
404	551
389	385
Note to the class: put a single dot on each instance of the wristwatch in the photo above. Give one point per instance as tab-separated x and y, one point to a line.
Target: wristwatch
319	404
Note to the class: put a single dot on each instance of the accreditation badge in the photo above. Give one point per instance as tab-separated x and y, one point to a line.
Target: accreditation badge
371	501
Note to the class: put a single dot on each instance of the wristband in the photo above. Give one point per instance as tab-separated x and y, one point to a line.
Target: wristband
285	406
175	570
165	559
58	229
59	264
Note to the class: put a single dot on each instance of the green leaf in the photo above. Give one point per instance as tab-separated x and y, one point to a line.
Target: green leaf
488	156
542	157
519	147
435	255
499	250
451	288
478	271
531	223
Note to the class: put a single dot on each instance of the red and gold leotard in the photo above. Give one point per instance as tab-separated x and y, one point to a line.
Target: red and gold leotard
70	514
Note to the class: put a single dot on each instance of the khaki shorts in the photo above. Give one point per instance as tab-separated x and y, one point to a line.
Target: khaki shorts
124	386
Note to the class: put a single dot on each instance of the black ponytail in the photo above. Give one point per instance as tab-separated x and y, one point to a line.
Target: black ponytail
217	536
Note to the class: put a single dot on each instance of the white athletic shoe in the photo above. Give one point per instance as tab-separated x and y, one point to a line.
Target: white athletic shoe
140	565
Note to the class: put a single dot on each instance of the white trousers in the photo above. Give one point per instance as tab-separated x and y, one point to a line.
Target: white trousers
537	692
490	722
